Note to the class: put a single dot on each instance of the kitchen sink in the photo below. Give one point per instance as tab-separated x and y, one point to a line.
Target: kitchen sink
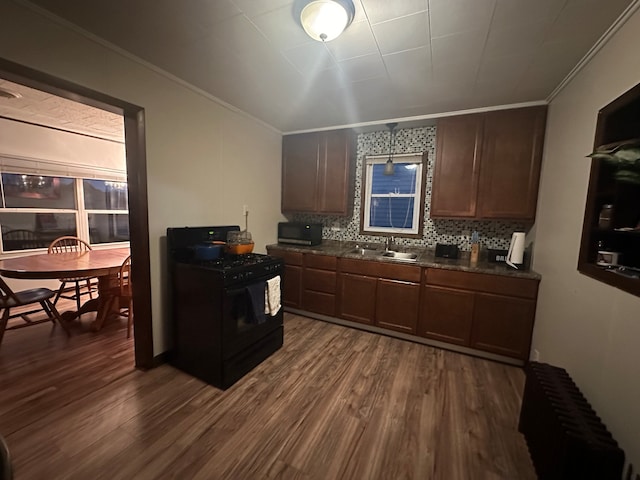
403	256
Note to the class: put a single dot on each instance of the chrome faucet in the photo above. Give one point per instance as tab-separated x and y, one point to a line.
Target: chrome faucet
389	242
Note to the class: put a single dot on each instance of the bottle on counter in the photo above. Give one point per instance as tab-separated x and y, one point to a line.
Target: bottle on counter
475	247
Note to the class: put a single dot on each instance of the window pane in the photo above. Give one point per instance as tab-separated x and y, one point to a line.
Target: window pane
36	191
21	231
108	227
105	195
403	179
392	212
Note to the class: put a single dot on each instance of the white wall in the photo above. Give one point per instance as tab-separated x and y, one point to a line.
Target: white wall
204	161
589	328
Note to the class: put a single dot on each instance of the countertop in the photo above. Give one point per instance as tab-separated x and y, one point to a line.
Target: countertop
426	258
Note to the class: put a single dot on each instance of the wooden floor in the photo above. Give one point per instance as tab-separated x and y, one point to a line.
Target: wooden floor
333	403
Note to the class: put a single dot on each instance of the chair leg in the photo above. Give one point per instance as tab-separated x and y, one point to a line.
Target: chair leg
130	319
56	314
3	322
55	300
89	287
48	311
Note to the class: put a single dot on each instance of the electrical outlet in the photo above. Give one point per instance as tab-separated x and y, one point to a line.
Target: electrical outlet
245	209
536	355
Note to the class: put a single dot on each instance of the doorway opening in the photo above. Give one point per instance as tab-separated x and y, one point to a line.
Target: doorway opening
134	137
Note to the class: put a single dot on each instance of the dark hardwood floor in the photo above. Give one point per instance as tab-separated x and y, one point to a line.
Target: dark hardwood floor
333	403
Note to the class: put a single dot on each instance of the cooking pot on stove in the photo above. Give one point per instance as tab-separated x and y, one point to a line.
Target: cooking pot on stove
239	243
208	250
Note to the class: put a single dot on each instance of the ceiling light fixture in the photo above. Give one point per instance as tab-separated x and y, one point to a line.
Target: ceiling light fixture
388	167
4	93
324	20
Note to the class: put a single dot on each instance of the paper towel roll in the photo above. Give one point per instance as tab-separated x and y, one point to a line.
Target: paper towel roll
516	249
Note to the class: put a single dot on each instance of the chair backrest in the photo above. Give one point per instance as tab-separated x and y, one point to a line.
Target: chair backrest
68	244
125	277
6	293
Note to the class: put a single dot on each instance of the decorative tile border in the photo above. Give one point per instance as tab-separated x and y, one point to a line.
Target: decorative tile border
493	234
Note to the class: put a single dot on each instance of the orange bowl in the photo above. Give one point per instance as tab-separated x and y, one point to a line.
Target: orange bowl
240	248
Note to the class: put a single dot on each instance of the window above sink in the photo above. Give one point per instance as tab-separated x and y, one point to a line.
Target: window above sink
393	204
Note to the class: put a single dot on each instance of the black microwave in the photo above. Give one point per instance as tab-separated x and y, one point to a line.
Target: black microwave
299	233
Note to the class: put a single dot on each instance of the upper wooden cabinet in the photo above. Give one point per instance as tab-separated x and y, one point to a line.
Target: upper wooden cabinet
488	165
317	172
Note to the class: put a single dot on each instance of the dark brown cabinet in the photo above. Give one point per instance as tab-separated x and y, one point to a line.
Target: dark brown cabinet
446	315
292	278
317	172
319	284
488	165
502	324
382	294
492	313
356	298
397	305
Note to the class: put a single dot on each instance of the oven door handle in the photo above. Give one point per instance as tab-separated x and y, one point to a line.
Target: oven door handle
237	291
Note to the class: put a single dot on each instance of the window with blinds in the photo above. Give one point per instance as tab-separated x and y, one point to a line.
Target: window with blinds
392	203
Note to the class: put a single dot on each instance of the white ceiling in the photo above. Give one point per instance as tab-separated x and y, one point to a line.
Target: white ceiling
398	59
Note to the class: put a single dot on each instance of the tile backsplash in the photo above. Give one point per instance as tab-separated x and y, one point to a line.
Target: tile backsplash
493	234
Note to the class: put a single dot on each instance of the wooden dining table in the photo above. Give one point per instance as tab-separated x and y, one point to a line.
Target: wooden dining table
102	264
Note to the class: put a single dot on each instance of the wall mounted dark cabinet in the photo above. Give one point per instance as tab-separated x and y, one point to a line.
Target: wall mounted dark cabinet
317	172
488	165
618	123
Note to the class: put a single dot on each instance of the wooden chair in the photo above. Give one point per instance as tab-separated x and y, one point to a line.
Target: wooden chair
120	293
71	244
11	299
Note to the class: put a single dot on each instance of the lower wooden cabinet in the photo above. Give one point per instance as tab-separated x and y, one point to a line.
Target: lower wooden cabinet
446	315
503	325
482	311
486	312
319	284
292	278
397	304
357	294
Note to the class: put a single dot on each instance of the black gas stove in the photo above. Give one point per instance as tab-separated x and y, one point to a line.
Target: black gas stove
221	327
242	268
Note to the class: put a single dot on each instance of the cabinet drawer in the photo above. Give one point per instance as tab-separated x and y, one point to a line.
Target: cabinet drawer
482	282
322	262
372	268
290	258
319	302
319	280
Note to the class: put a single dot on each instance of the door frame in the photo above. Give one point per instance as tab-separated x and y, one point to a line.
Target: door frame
134	132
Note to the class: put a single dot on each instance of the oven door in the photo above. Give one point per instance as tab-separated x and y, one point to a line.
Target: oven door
241	327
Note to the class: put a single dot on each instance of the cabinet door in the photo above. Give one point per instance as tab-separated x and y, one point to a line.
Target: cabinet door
334	174
397	305
318	295
291	286
357	298
456	172
503	325
446	314
511	156
300	156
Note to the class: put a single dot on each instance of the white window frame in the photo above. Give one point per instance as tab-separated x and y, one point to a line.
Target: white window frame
80	212
418	209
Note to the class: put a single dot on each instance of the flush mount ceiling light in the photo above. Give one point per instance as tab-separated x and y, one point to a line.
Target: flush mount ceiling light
388	167
9	94
324	20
